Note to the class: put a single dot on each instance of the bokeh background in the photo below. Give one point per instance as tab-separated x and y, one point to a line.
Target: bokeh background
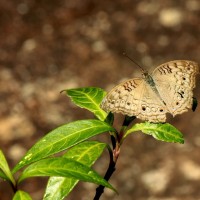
47	46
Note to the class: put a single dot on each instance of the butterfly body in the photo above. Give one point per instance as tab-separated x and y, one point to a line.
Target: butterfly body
167	90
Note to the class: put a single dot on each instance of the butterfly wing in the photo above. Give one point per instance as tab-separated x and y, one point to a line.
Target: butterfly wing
175	81
135	97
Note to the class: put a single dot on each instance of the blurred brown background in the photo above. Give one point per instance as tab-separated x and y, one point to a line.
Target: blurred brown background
47	46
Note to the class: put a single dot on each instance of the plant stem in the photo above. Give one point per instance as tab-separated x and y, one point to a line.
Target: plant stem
100	189
111	168
114	154
14	187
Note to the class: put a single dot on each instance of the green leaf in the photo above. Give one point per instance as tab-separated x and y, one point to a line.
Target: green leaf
164	132
86	153
90	99
63	138
21	195
110	118
5	172
63	167
3	176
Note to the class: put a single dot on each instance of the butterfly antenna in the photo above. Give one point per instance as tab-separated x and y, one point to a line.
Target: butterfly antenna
124	53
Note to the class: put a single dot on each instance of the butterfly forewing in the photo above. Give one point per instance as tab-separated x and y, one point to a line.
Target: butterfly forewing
124	97
135	98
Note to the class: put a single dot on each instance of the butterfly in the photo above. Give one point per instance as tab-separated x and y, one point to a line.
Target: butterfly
168	89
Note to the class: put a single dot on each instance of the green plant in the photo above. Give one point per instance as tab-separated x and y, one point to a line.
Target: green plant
79	153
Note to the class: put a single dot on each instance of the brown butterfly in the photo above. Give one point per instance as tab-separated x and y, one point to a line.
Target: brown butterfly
168	89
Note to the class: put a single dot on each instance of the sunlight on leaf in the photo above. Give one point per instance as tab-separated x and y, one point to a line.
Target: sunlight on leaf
5	172
63	167
86	153
164	132
21	195
63	138
88	98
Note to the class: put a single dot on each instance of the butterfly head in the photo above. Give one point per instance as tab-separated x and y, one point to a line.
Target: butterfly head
145	73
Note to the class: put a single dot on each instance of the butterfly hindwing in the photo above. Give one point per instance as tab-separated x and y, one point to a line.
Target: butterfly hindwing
175	81
151	107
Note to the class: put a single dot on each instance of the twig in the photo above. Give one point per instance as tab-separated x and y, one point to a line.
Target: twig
114	154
